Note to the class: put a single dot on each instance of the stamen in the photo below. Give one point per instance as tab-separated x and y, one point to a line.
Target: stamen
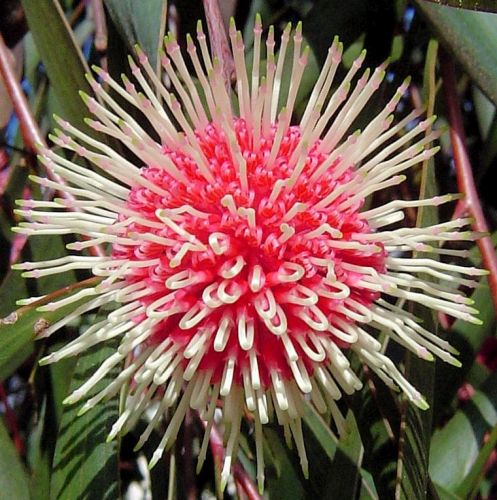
227	379
245	332
223	333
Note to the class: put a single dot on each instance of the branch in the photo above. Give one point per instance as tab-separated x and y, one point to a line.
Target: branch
239	473
29	129
100	25
88	282
464	171
219	40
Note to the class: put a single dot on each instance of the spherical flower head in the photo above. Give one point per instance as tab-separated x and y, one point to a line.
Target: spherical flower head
240	252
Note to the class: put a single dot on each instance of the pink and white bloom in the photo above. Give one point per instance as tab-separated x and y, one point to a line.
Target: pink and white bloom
243	262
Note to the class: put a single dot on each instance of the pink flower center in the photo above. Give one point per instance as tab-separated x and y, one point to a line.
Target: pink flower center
235	274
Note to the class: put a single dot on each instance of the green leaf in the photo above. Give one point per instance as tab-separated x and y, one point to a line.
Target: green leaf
284	477
40	452
444	494
140	22
412	464
61	56
11	364
469	486
321	432
416	427
85	465
462	436
48	248
13	477
60	381
472	38
322	452
344	477
484	5
50	386
15	287
19	328
378	424
335	462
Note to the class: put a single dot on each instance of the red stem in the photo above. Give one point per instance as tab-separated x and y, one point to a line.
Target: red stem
30	131
100	25
219	41
465	178
240	475
243	480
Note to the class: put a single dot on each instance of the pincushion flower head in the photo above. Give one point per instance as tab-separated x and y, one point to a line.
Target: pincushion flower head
244	264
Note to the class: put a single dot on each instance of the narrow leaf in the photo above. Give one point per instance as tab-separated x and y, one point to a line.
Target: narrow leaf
61	56
13	478
472	38
345	474
416	424
85	464
337	461
377	419
283	476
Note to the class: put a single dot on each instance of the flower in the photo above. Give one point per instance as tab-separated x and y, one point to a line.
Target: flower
244	262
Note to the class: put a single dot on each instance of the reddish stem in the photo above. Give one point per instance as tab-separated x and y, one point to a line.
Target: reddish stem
247	485
78	10
88	282
464	171
241	477
219	41
30	131
100	25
